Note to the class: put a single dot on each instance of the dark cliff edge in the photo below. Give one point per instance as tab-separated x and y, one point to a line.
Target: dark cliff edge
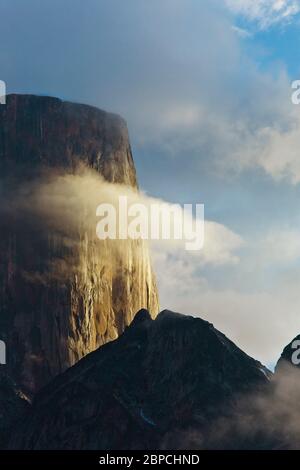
162	384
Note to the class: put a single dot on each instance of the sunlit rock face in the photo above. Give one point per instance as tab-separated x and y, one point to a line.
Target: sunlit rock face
63	292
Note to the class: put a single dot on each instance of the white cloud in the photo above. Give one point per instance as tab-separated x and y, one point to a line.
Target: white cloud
220	247
279	247
181	116
201	97
277	151
269	144
265	12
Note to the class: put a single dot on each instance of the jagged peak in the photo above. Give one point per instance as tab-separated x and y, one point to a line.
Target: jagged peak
142	316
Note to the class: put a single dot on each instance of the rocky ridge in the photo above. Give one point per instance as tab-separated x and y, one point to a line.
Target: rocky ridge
160	385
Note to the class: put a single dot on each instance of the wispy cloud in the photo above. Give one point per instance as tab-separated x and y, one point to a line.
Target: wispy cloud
243	33
265	12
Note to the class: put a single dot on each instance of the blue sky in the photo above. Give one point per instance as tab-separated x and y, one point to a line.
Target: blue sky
205	88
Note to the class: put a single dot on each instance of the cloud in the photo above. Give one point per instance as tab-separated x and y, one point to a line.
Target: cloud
265	12
243	33
265	418
276	151
64	205
220	247
280	247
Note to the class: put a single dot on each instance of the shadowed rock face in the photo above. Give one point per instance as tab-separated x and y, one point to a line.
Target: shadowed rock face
63	293
37	131
160	385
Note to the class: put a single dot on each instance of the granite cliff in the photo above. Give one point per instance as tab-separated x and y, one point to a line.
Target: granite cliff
63	293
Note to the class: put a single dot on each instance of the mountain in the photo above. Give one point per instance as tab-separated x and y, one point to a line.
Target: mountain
63	292
162	384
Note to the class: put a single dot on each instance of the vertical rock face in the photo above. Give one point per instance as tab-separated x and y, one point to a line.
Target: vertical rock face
36	131
63	292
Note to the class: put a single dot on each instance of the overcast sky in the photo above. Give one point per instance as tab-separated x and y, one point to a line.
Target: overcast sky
205	87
